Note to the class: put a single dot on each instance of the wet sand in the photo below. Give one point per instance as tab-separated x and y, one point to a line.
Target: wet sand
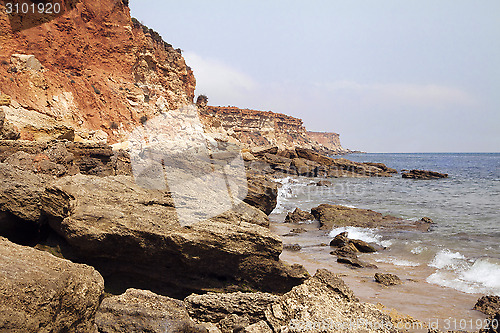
431	304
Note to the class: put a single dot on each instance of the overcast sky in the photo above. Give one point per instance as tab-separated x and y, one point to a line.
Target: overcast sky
389	76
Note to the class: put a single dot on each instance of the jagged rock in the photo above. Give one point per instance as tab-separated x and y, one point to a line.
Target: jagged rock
128	231
288	153
494	324
340	240
325	183
381	166
260	327
488	305
304	167
262	193
215	307
233	323
7	130
261	151
330	216
144	311
20	194
298	216
292	247
387	279
362	246
42	293
297	230
423	174
4	101
248	156
324	300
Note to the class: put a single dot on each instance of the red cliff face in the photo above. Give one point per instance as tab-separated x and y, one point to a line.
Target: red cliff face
94	68
253	128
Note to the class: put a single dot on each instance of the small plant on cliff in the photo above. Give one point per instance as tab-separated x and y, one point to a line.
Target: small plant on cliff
202	101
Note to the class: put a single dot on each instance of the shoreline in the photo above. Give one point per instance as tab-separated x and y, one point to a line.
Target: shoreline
423	301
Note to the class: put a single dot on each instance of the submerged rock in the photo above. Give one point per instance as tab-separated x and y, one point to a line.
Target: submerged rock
42	293
423	174
144	311
387	279
354	262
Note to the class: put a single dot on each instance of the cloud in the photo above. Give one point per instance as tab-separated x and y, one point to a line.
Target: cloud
220	82
401	94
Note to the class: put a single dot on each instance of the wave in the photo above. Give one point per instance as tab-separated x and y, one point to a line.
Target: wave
364	234
455	271
398	262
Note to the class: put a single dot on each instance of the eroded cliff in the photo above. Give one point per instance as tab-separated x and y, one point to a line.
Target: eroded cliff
94	69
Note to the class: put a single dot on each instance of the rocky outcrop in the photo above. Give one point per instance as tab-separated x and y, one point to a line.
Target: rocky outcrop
387	279
330	216
423	174
347	250
341	240
331	141
325	304
297	216
488	305
42	293
7	130
128	231
144	311
100	70
262	192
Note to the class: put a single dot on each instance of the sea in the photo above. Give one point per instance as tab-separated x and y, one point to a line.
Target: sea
461	252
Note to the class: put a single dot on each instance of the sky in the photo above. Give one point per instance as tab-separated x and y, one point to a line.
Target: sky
388	75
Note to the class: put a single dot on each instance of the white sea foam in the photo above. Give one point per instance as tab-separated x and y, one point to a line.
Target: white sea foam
455	271
364	234
289	188
398	262
418	249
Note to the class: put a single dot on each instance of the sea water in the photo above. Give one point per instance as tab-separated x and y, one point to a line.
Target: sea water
462	250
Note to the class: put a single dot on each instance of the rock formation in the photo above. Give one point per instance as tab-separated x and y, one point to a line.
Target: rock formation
99	71
42	293
387	279
423	174
330	141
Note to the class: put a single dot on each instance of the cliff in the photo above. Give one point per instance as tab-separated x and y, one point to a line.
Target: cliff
93	68
252	128
328	140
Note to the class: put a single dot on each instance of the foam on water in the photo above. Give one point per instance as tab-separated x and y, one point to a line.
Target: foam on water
398	262
364	234
457	272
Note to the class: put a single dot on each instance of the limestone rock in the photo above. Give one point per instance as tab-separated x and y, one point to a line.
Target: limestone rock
330	216
215	307
292	247
144	311
260	327
355	262
324	300
424	174
262	192
42	293
298	216
129	231
488	305
7	130
387	279
325	183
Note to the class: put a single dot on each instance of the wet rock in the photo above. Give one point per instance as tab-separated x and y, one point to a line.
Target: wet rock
387	279
382	167
215	307
488	305
297	230
355	262
330	216
298	216
324	296
325	183
144	311
340	240
42	293
423	174
262	193
362	246
133	236
292	247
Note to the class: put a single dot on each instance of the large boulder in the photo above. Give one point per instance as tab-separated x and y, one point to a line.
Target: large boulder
387	279
423	174
7	130
324	303
144	311
132	234
42	293
330	216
